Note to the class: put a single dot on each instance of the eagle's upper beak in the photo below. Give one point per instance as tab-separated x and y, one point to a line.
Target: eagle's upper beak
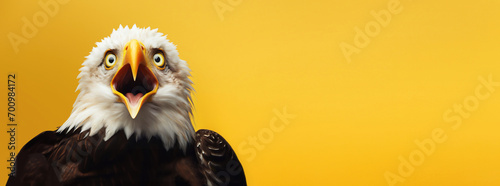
134	82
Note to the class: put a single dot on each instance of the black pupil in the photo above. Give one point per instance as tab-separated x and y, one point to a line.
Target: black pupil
111	59
157	59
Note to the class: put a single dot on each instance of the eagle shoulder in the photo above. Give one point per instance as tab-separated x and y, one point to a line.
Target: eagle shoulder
219	163
32	165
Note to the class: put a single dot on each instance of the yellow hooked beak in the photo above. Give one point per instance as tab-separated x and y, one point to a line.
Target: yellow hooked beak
134	82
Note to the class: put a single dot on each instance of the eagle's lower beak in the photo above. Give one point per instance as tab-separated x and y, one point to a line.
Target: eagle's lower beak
134	82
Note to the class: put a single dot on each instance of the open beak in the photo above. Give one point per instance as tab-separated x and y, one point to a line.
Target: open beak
134	82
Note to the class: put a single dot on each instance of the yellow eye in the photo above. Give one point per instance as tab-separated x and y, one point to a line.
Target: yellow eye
109	61
159	60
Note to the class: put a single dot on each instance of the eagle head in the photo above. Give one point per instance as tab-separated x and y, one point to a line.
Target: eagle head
134	81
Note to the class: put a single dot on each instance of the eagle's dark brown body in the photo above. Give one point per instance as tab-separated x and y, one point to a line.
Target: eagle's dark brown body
73	159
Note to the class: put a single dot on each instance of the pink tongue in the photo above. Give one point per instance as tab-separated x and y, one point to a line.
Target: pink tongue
133	99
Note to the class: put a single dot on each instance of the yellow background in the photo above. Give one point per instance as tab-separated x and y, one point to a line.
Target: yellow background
352	120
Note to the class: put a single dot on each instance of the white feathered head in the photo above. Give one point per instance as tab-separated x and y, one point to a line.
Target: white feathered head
134	81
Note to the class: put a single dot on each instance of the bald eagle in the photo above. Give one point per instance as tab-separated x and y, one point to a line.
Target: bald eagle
130	124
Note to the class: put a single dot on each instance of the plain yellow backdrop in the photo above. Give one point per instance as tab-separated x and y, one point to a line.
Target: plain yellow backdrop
253	59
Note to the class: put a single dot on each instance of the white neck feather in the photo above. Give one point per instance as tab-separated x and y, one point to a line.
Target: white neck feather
167	116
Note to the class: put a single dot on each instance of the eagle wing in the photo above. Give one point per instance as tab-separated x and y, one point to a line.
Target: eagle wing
218	161
32	166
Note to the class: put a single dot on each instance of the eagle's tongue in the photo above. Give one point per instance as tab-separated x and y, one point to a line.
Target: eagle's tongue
133	99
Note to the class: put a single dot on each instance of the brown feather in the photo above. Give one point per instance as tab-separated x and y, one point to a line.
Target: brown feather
73	159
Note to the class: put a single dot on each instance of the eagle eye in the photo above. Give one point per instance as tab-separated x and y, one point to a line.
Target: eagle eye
159	60
109	61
